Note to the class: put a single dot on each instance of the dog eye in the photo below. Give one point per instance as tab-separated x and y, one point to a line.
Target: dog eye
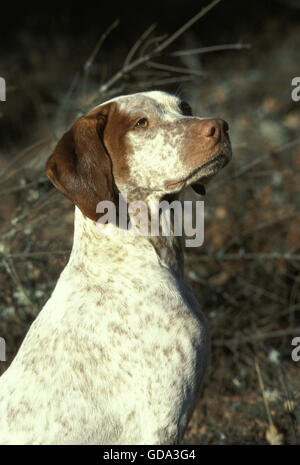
142	123
185	108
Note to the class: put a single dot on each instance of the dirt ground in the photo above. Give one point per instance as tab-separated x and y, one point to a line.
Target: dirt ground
247	273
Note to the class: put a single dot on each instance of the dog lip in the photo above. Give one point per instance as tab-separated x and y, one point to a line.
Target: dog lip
223	155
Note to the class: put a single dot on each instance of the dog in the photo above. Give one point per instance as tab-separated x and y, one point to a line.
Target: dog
118	353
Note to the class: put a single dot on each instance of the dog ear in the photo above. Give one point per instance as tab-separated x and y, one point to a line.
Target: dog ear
80	167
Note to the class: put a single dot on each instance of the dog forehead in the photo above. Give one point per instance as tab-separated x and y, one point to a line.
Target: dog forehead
158	101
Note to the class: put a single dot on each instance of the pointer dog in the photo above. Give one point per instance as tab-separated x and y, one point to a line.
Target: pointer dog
119	351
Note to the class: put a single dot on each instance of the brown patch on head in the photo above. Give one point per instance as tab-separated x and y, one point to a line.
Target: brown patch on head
82	164
117	125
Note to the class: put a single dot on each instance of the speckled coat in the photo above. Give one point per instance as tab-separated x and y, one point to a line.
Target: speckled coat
119	351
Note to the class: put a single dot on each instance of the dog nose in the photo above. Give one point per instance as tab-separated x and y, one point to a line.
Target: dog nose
213	127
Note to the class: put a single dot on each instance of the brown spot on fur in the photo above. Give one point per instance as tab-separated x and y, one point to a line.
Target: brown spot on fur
117	329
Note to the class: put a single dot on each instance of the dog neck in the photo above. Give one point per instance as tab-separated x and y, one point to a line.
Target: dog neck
96	245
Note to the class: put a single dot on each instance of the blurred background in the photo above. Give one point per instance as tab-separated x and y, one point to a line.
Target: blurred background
236	62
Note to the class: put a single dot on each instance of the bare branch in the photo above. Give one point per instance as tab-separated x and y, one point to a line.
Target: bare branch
175	69
163	82
9	266
162	46
262	388
89	62
138	43
91	59
187	25
212	48
66	99
152	40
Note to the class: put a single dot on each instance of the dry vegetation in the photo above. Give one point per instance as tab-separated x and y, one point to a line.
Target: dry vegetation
247	273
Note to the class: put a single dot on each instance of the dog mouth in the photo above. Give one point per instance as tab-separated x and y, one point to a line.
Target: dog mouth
203	174
210	169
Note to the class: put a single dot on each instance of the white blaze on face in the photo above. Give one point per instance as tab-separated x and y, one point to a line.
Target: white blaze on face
155	152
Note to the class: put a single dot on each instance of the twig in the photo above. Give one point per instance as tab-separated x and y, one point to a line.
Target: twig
272	434
138	43
89	62
289	403
175	69
162	82
91	59
9	266
262	388
147	45
187	25
211	48
66	98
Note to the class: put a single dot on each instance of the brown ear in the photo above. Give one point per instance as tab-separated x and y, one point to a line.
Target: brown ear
80	167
